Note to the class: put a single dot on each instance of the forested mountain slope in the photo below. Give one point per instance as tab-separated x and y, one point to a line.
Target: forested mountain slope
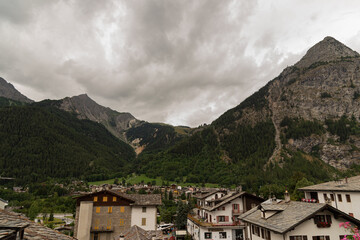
305	122
39	141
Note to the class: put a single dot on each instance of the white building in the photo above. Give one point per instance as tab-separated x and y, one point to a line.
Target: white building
3	203
289	220
217	217
343	195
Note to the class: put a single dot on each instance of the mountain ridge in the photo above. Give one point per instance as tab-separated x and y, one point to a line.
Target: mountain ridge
7	90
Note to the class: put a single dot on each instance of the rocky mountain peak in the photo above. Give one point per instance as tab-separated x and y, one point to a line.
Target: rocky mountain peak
7	90
329	49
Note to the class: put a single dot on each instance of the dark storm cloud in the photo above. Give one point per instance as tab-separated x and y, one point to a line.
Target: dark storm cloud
181	62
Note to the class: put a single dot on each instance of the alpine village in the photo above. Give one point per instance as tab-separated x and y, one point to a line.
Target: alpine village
282	165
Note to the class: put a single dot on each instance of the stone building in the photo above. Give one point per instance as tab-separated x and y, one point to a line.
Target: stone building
108	213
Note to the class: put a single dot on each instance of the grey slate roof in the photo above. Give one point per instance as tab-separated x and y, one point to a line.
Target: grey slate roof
228	198
207	194
137	233
141	199
33	231
291	215
352	185
5	233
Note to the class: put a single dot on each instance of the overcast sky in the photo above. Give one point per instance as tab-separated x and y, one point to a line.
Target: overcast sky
179	62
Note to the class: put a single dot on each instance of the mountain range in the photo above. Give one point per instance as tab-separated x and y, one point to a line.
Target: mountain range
303	123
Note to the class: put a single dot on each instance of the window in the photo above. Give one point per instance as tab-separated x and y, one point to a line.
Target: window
97	209
143	221
122	209
114	199
108	226
104	199
332	197
235	206
255	230
325	196
95	199
109	209
339	197
298	237
223	208
348	199
321	238
96	236
222	234
143	209
322	221
122	222
207	235
221	218
268	236
341	237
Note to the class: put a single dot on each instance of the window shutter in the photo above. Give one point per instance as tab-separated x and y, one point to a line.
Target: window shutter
316	220
327	238
226	218
305	237
328	218
217	218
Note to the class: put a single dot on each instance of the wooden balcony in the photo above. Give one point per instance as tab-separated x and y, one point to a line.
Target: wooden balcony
101	229
237	212
204	223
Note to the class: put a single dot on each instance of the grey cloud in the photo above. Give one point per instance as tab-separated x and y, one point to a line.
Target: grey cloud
182	62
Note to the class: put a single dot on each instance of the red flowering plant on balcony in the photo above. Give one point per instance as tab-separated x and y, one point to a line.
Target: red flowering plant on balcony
355	235
323	224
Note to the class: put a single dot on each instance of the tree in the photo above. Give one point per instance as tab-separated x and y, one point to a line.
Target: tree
171	197
297	195
181	216
116	181
51	217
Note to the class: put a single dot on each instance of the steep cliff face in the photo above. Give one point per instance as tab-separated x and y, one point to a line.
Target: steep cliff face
324	86
86	108
7	90
140	135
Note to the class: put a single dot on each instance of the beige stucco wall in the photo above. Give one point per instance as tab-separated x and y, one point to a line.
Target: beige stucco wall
150	215
346	207
84	223
309	229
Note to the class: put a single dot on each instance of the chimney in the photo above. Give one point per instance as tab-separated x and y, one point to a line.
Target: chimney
287	196
346	180
121	237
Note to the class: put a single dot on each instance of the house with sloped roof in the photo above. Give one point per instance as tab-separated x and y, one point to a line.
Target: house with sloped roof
3	203
343	194
137	233
108	213
14	225
291	220
218	217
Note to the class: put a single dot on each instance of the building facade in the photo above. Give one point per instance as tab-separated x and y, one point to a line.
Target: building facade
106	214
343	195
288	220
217	217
